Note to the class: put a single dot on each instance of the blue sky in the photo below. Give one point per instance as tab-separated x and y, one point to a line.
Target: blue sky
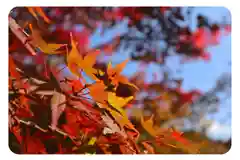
221	56
197	74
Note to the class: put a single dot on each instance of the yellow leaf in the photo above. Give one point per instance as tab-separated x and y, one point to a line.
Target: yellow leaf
92	141
148	126
98	93
122	118
109	65
118	102
101	73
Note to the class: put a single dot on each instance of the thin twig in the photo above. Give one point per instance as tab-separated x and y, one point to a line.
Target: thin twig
17	30
32	124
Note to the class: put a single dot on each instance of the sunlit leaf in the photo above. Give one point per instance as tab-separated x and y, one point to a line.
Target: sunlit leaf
73	57
115	76
117	69
35	11
76	61
148	125
121	118
98	93
88	62
118	102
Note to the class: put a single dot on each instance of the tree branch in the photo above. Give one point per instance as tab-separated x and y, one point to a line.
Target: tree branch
17	30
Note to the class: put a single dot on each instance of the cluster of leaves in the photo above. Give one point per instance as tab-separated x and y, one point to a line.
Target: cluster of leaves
51	112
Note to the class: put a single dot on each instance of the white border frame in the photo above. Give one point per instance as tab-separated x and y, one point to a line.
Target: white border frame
8	5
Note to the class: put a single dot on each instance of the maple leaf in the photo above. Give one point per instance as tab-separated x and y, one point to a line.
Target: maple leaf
86	63
118	102
112	103
115	76
37	41
98	93
35	11
121	118
117	69
73	57
76	86
108	100
149	126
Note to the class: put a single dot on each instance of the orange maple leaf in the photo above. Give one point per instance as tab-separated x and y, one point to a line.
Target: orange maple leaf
37	41
76	61
115	76
73	57
35	11
148	126
98	93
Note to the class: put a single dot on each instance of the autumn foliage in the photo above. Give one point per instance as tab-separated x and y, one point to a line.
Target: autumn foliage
64	100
